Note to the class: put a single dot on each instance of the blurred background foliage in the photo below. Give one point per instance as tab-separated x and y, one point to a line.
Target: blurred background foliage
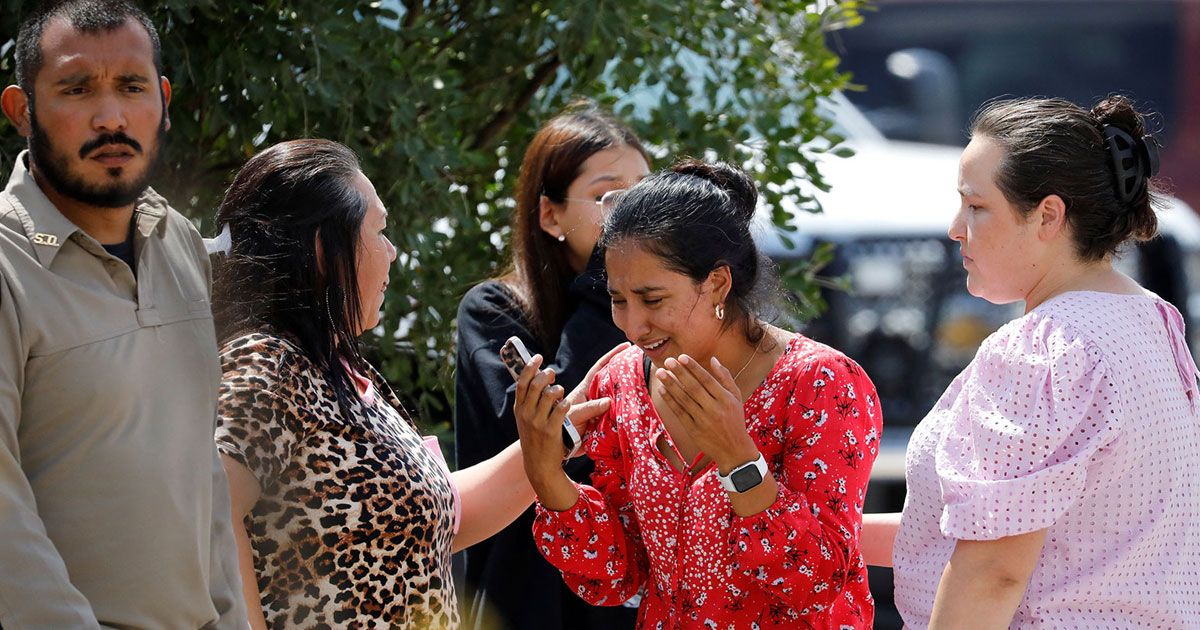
439	99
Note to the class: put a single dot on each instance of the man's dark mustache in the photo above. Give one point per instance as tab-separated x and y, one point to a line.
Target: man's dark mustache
107	139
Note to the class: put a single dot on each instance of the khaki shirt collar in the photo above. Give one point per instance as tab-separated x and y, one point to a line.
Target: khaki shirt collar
47	228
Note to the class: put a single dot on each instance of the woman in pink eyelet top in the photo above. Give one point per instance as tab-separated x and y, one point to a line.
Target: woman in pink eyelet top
1078	419
1054	484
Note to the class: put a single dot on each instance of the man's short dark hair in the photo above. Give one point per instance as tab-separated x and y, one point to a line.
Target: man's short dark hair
85	16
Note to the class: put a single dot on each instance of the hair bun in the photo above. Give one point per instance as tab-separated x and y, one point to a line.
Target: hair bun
731	179
1134	154
1119	112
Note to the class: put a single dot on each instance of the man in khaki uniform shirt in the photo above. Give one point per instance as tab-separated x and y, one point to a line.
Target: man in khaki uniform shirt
114	509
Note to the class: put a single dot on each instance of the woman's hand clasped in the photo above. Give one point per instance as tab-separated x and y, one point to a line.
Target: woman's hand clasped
709	406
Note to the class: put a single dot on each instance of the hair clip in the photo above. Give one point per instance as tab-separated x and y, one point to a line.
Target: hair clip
1148	146
1134	161
222	244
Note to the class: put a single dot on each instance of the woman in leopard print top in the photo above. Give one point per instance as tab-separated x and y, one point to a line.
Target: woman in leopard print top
350	496
345	515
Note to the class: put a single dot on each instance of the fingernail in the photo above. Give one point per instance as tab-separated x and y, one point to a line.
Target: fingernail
684	359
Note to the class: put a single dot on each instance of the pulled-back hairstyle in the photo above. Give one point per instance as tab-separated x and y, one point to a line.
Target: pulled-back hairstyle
1054	147
275	278
696	218
85	16
540	269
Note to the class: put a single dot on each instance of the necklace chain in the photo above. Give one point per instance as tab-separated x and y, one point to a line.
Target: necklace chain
745	365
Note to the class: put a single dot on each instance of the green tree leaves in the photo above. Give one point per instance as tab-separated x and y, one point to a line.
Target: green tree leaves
440	97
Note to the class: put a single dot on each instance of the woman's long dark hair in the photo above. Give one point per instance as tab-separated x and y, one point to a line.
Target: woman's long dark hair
540	270
294	221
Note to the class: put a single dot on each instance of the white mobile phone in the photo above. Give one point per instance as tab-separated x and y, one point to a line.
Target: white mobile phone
515	357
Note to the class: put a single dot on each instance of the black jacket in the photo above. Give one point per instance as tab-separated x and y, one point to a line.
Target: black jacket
506	579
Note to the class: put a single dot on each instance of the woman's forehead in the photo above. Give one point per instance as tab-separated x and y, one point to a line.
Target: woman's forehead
978	165
633	267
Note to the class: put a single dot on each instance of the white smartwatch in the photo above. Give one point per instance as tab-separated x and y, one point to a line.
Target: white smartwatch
745	477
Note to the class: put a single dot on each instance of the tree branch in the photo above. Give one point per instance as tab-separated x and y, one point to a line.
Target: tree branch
412	10
503	118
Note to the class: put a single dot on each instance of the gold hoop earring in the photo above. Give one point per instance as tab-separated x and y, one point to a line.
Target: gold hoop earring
719	309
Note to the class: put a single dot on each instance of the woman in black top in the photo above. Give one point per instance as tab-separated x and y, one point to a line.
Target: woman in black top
554	297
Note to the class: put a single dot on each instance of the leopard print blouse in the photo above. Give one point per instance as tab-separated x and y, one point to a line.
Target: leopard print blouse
356	517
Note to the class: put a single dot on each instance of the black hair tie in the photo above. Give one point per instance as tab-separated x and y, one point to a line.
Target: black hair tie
1134	161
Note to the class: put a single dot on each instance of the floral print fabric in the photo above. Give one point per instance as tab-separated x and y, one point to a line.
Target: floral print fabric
645	527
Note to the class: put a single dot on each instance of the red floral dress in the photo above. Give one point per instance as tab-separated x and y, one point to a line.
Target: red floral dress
644	527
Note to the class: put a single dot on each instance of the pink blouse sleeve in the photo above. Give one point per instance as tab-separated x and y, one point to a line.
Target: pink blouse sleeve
1035	407
597	544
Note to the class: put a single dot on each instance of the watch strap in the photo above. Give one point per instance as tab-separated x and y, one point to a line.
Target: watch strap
576	439
727	481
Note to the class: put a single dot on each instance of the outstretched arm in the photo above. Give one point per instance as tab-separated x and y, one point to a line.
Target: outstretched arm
497	490
878	538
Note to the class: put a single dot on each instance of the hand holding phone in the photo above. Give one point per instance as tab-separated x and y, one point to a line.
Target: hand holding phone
515	357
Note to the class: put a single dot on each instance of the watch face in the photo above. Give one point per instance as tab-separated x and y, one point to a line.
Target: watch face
746	477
